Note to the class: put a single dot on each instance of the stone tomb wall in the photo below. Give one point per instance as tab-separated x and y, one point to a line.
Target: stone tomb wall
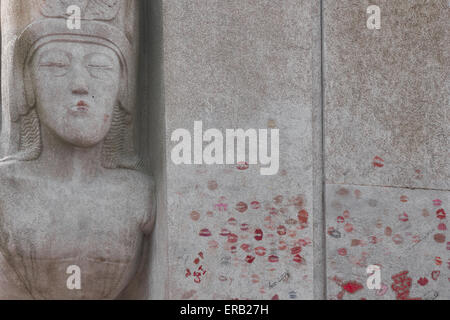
363	172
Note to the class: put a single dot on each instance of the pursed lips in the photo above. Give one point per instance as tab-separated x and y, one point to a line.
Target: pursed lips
80	107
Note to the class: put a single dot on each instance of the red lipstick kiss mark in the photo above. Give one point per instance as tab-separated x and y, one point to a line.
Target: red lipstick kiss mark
278	199
356	242
435	275
298	259
352	287
340	219
259	234
297	201
281	230
213	244
245	227
388	231
441	214
403	217
246	247
255	205
348	227
438	261
346	214
342	252
448	245
442	227
282	245
250	259
378	162
224	232
343	192
437	202
404	199
205	233
439	238
242	166
212	185
195	216
260	251
422	281
232	222
232	238
303	217
276	297
398	239
291	222
273	259
241	207
81	103
221	207
382	291
332	232
296	250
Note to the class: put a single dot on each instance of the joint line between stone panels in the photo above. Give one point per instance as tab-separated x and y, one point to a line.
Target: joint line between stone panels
382	186
322	103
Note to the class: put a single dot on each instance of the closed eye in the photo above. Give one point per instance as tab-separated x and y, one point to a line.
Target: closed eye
97	66
54	64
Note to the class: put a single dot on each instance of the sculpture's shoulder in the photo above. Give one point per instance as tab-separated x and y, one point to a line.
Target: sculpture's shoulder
136	181
140	192
7	169
10	181
10	175
14	169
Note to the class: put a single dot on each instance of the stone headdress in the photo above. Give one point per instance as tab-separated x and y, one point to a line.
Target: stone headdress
103	22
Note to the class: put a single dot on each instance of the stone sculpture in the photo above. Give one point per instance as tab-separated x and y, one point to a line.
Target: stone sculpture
72	192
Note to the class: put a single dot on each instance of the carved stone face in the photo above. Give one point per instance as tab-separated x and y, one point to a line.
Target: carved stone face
76	87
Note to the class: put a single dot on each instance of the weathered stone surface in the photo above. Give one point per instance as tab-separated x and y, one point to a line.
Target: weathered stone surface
400	230
241	64
225	231
71	189
386	94
386	133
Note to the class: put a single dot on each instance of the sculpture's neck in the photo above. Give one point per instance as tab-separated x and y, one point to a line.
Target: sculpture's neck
68	161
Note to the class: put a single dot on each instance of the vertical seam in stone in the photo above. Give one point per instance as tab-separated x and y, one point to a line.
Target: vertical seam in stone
322	103
319	261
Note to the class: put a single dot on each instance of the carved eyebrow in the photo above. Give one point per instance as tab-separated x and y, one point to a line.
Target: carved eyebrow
99	60
53	57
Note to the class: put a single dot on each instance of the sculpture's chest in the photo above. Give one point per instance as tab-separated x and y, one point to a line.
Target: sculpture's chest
62	221
46	228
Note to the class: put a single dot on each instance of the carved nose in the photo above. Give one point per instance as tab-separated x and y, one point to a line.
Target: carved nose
79	85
